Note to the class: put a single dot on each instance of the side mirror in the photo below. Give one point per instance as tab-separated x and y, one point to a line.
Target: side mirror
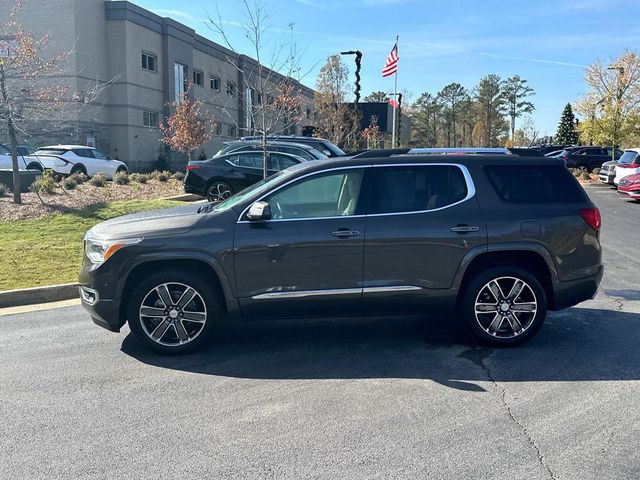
259	211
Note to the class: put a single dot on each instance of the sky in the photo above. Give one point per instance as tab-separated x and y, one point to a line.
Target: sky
547	42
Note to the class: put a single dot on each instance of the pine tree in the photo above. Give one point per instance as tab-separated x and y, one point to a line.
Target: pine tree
567	134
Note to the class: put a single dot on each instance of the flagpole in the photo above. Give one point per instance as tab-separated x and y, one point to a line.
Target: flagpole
395	97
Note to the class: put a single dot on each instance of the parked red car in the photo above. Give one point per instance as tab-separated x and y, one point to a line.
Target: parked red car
630	186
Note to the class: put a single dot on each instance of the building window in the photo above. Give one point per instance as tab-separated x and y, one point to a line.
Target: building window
150	119
308	112
181	79
231	88
198	78
217	128
149	62
232	131
215	83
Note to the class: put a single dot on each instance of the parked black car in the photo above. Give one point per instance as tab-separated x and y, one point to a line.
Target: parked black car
301	150
423	233
323	146
587	158
220	177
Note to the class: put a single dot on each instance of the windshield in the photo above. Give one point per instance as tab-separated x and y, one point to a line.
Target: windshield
255	189
628	157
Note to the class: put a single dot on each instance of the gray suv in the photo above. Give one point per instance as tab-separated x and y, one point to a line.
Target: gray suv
499	239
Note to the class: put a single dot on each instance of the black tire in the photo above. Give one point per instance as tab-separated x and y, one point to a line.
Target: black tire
480	324
215	189
78	169
35	166
144	292
584	168
122	170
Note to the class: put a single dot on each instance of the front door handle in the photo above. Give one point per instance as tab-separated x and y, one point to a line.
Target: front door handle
464	228
345	233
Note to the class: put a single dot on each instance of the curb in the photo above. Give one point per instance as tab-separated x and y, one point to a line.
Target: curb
185	197
30	296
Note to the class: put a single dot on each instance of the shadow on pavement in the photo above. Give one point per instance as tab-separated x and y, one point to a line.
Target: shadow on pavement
578	344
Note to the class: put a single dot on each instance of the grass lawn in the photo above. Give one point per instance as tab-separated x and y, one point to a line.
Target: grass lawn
48	250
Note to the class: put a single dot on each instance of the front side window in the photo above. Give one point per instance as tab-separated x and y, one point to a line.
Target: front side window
83	152
332	194
248	160
99	155
215	83
406	189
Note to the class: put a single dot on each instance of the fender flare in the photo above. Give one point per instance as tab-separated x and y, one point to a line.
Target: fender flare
504	247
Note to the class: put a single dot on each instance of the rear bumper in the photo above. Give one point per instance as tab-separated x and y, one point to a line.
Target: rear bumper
568	294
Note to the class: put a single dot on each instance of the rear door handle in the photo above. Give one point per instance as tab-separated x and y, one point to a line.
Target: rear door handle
345	233
464	228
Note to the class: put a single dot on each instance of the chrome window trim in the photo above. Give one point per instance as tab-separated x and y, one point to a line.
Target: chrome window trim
334	291
471	191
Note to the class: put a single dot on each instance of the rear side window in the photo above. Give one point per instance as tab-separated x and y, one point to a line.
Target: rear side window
414	189
280	162
534	183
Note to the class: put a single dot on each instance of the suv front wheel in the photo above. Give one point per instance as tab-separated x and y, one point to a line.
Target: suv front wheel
504	306
173	311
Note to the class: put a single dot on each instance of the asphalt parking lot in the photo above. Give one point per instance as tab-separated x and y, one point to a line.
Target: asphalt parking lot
356	398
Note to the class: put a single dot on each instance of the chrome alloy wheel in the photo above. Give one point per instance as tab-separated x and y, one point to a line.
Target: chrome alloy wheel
218	192
173	314
506	307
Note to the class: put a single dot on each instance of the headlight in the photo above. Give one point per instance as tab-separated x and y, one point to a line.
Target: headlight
99	251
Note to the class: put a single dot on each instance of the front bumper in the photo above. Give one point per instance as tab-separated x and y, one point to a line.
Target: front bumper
607	178
104	312
629	193
570	293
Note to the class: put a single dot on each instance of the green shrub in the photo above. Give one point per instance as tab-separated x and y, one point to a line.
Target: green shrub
163	176
162	163
69	183
178	176
121	178
3	189
596	171
46	184
139	177
98	180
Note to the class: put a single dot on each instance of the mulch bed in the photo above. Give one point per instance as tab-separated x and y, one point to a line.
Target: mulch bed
82	196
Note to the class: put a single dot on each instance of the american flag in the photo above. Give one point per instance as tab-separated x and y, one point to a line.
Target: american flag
393	102
391	65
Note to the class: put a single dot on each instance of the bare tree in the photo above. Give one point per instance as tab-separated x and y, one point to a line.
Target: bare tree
335	118
30	92
271	94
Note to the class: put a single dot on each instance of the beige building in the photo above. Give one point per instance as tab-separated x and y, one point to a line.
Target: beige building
145	61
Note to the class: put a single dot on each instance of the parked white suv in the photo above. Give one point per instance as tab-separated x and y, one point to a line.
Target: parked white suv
69	159
628	164
24	162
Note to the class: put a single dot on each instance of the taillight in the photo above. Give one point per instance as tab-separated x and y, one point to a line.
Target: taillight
592	217
629	165
192	167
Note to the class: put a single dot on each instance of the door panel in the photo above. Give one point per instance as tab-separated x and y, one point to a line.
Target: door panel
308	257
410	255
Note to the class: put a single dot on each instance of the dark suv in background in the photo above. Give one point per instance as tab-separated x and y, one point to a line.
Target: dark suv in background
418	233
323	146
587	158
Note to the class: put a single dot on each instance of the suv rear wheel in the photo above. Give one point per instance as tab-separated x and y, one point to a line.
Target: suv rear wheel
504	306
173	312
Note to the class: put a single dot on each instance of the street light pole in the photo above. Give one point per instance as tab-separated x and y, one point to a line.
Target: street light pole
617	100
358	55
